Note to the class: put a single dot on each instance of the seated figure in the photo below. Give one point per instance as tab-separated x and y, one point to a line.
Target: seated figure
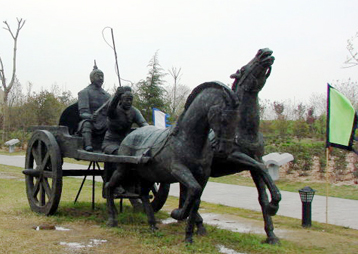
90	99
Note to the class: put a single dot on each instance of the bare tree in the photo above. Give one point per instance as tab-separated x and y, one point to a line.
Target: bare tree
175	73
349	89
352	59
178	92
7	87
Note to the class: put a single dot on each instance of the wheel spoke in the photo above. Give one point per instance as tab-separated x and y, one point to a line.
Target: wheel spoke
46	163
46	188
36	154
154	189
42	195
45	160
36	188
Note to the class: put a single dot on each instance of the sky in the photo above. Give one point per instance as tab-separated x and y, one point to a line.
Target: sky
208	39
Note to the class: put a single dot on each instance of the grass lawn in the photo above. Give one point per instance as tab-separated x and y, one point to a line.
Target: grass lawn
17	224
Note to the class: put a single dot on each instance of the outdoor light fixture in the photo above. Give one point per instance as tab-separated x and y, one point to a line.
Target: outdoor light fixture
306	194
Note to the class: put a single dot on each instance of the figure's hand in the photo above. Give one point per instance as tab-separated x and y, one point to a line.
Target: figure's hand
86	116
95	116
119	90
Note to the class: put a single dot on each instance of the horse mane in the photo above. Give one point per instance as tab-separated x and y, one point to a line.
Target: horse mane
230	95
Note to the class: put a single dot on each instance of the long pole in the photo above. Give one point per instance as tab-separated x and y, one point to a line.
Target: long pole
327	181
115	56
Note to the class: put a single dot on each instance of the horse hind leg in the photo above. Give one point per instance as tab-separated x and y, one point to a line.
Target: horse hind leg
260	169
263	200
110	187
273	206
112	210
148	209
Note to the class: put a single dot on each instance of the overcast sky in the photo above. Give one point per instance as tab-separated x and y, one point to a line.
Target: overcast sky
207	39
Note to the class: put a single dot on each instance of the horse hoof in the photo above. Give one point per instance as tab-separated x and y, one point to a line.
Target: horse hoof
188	240
112	223
272	209
272	240
176	214
201	230
153	228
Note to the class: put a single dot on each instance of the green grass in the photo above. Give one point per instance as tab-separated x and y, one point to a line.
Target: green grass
6	152
133	234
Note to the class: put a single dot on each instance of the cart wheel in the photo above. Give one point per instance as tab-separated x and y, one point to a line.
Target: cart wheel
159	193
43	170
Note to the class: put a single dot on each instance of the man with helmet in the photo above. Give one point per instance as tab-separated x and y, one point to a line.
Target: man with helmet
90	100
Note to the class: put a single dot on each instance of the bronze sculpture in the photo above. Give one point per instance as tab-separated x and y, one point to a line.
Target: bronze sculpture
120	117
249	146
181	153
90	99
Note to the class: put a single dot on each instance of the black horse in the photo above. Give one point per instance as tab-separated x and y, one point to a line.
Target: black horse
249	146
182	153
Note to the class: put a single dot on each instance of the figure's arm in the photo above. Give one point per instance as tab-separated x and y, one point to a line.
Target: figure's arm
99	110
139	119
112	103
83	105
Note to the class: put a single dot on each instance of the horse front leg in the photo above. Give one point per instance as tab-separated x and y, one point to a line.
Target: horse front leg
201	230
183	175
191	221
263	200
260	169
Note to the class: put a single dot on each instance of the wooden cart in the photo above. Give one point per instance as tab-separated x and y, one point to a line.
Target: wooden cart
44	174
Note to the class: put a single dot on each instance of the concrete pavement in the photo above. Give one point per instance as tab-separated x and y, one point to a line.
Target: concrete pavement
342	212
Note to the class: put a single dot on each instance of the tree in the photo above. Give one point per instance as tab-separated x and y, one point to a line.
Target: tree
352	59
349	89
300	129
150	92
280	124
178	94
7	87
300	111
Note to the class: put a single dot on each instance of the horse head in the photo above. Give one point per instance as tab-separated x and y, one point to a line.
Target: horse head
222	116
252	76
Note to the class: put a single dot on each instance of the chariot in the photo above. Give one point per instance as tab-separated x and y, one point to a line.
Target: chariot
44	172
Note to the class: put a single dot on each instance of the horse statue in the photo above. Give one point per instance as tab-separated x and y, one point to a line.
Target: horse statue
249	146
182	153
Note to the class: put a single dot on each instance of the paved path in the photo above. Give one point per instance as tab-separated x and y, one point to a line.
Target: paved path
342	212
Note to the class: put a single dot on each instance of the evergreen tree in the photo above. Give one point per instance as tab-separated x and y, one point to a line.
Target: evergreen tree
150	93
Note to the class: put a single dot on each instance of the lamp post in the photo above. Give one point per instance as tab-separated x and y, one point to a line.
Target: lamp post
306	195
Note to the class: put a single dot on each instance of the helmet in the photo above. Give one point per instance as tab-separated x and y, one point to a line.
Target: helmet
95	70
